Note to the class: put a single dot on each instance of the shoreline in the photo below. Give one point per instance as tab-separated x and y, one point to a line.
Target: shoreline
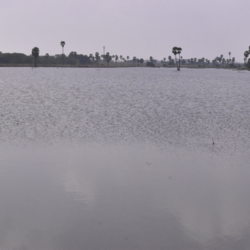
115	66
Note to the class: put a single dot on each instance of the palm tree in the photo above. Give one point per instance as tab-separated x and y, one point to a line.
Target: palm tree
177	50
174	51
35	52
108	58
91	56
62	44
116	59
246	54
127	58
97	57
229	55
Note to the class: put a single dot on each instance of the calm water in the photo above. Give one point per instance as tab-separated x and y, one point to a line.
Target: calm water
124	159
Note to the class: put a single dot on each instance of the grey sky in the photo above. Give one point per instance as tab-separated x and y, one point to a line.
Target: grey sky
141	28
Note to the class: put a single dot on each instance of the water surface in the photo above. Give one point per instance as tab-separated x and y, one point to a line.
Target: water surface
124	159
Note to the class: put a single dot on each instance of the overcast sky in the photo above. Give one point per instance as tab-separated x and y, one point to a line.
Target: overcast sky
141	28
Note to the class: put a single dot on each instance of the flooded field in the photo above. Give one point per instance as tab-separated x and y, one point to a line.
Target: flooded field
135	158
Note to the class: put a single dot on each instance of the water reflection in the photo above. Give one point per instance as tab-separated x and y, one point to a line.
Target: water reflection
93	161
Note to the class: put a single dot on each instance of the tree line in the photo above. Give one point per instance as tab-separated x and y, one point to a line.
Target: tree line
74	58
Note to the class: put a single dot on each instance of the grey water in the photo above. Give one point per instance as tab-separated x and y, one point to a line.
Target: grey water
135	158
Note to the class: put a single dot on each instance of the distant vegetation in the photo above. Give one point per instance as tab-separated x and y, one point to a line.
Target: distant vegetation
176	51
74	59
246	54
35	54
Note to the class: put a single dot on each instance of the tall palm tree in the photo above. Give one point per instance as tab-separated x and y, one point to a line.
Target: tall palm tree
127	58
229	55
174	51
35	53
177	50
62	44
116	59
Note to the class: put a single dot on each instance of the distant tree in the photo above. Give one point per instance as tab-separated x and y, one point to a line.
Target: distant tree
108	58
134	59
150	64
229	53
177	50
62	44
151	59
220	58
246	54
174	51
116	59
169	60
127	58
97	57
72	57
141	61
47	57
74	54
35	53
83	59
91	57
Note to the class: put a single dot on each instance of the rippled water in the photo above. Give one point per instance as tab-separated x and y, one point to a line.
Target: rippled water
124	159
